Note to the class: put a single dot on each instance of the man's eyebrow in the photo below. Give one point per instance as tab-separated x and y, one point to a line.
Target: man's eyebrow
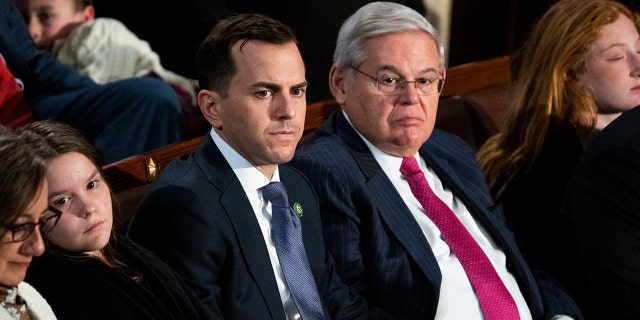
300	85
276	87
267	85
387	68
393	69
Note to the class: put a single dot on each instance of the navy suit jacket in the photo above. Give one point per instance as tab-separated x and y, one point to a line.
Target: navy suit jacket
603	202
198	219
378	247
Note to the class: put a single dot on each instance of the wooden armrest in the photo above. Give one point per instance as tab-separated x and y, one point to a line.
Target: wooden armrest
142	169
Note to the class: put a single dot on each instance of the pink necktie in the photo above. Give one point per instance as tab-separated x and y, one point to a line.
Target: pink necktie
495	300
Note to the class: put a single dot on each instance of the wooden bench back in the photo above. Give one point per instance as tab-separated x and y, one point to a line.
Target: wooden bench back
478	75
483	81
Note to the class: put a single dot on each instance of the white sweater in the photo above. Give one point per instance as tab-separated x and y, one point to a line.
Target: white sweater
38	307
105	50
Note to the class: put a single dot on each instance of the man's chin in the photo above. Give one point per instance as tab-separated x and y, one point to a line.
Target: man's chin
283	155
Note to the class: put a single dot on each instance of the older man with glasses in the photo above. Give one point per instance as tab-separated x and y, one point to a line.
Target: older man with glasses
407	214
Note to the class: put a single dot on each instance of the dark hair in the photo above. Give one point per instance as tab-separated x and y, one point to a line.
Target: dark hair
214	62
23	174
52	139
59	138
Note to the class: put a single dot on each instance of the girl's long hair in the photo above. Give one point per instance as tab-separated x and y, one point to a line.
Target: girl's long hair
544	89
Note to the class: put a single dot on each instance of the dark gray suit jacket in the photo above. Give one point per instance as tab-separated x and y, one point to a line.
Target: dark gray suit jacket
198	219
379	248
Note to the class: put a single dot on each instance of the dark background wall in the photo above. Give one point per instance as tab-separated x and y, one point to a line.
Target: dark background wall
487	29
174	28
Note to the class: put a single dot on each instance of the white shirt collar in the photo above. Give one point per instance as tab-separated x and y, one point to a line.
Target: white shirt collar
250	177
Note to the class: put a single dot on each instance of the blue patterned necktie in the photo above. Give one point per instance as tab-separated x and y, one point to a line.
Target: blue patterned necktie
287	238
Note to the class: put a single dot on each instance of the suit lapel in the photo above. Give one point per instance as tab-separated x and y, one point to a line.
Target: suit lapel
243	221
467	183
390	205
464	180
472	192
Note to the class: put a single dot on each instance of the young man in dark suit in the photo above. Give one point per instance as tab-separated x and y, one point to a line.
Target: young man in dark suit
407	214
210	214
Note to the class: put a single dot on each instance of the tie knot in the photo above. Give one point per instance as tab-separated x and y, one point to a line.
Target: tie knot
276	192
409	167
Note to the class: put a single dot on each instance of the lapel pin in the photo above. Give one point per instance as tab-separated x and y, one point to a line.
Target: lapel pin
297	208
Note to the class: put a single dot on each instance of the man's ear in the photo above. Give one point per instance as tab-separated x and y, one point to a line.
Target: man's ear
88	13
444	77
209	103
337	84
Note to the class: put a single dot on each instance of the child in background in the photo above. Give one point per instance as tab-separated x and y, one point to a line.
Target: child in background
101	48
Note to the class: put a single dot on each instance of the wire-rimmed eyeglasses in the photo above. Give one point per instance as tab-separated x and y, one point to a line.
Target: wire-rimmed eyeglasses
395	85
22	231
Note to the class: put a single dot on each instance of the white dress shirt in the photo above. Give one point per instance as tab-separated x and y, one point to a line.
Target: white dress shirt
252	180
457	297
